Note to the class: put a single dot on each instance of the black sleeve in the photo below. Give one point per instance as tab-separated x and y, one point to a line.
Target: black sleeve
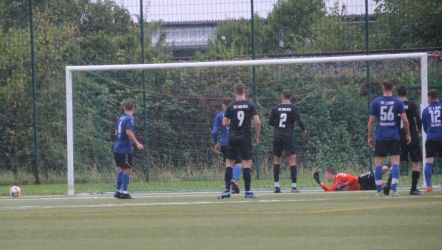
272	120
228	113
417	116
298	118
253	110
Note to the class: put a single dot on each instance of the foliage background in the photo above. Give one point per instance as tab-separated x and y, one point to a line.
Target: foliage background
181	104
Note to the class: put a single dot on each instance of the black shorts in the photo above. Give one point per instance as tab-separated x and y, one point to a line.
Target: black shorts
367	181
384	148
123	160
283	144
224	152
241	145
433	148
413	149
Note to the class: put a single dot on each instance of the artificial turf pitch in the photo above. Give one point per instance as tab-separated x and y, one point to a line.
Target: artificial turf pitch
308	220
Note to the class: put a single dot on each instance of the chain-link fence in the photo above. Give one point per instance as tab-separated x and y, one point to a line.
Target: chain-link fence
39	38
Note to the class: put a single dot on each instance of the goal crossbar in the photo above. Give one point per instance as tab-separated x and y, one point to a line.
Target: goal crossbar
261	62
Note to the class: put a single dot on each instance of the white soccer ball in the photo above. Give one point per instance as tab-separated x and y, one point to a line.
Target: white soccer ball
15	191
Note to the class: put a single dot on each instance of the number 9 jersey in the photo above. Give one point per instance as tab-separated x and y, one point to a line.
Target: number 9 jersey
240	114
386	109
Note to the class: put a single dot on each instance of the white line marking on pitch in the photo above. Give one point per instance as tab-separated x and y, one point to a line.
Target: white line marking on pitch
167	195
147	204
192	194
152	204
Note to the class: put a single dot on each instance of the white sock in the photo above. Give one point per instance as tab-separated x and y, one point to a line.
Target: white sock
293	185
124	192
277	184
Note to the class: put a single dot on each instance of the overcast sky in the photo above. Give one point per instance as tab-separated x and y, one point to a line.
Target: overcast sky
206	10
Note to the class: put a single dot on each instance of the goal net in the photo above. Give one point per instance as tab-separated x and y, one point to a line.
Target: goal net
177	103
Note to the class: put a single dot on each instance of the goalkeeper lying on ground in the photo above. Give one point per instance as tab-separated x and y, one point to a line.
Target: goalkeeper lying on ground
348	182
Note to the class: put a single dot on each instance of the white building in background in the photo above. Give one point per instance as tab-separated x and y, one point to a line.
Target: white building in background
187	26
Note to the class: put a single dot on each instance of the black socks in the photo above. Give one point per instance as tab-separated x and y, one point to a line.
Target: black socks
228	177
247	175
415	175
294	173
276	172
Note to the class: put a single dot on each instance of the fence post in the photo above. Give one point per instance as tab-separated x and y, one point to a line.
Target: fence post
143	78
33	88
367	51
252	20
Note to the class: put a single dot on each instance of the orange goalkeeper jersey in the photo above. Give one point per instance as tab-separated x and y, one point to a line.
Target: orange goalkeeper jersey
341	179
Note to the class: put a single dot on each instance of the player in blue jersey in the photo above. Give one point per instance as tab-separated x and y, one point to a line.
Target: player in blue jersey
238	117
432	124
123	148
222	145
384	111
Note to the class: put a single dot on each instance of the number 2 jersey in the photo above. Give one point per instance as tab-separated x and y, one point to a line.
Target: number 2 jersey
431	121
283	118
386	109
240	114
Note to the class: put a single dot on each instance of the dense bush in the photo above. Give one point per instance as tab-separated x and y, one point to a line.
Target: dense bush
181	104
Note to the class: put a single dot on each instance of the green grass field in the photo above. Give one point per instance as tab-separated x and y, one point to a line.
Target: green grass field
308	220
305	181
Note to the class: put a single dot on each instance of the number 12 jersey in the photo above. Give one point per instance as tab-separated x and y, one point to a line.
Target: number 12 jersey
432	121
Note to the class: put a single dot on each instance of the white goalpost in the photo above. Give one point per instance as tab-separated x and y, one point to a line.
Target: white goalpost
263	62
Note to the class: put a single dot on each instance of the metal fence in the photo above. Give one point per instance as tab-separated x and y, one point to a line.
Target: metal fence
39	38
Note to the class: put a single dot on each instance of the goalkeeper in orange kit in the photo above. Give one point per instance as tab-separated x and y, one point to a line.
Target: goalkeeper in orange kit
347	182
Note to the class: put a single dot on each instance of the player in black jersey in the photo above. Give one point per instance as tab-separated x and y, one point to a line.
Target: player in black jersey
238	117
283	118
414	148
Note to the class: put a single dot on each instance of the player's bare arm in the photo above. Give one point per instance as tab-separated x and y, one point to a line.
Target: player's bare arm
371	122
133	139
406	127
257	123
302	126
218	148
226	122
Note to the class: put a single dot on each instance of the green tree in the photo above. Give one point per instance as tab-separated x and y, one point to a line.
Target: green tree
407	24
291	24
234	38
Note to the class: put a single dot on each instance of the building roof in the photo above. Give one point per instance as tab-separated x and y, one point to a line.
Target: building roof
189	11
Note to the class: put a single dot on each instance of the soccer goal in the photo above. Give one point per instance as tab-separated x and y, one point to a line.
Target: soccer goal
178	101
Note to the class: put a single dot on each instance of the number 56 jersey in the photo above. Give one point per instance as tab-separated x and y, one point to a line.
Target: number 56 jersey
386	109
431	121
240	113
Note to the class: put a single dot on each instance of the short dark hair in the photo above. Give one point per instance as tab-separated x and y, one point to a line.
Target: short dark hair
401	91
287	95
128	105
225	102
331	171
239	89
433	94
387	85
